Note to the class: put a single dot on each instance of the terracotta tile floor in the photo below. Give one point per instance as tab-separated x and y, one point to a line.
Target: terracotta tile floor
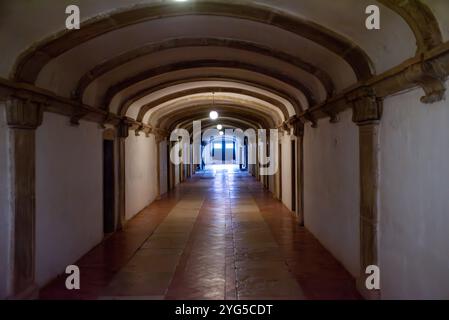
212	238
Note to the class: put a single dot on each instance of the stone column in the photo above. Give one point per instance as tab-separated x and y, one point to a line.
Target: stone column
257	165
172	167
123	133
367	112
169	169
267	154
279	159
158	140
23	117
298	131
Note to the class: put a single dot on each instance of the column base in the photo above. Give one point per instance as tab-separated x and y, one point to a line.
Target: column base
30	293
300	220
366	294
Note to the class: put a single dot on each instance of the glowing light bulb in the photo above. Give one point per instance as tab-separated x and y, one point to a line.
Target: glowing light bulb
219	127
213	115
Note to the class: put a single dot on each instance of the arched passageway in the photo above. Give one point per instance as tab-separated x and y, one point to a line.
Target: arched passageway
335	135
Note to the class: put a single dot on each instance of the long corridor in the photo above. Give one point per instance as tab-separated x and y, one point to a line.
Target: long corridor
217	236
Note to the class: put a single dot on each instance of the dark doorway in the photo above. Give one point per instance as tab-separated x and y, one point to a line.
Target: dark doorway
108	187
293	176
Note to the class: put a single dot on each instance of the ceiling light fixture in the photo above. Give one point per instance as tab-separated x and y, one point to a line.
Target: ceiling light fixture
213	114
219	127
221	133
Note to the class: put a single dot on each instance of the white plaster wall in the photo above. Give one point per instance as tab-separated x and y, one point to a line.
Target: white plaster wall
141	177
286	171
69	195
4	206
331	188
414	218
163	167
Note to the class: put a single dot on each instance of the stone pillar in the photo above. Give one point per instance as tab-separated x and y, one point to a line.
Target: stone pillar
298	131
169	169
123	133
181	164
367	112
158	140
257	165
267	154
23	116
172	166
279	173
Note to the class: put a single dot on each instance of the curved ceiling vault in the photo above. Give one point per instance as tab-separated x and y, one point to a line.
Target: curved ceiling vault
286	109
265	61
247	107
134	102
223	44
170	121
147	89
226	122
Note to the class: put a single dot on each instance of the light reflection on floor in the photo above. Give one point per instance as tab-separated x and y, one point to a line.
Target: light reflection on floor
223	167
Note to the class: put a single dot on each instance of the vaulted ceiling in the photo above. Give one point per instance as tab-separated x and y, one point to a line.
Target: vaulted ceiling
165	63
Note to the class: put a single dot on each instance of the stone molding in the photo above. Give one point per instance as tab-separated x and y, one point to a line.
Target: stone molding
310	117
125	125
429	71
430	79
421	21
297	125
331	113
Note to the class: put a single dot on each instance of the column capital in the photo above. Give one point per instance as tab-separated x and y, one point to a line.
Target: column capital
147	130
123	128
366	106
160	134
109	134
331	113
285	126
24	112
298	126
77	115
308	116
140	128
159	138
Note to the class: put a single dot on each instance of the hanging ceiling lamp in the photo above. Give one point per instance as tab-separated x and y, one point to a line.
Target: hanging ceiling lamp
213	114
